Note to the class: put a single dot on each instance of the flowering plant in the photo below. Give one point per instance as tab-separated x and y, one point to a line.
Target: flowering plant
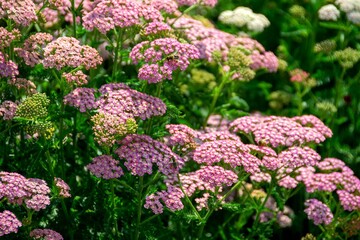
154	119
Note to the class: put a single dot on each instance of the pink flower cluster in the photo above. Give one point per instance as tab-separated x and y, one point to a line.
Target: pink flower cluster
64	189
154	28
32	52
8	223
46	234
7	68
162	56
105	167
8	110
22	12
182	136
124	102
298	75
295	157
168	6
141	152
210	3
7	37
349	201
209	40
81	98
17	189
232	152
330	175
67	52
217	176
23	84
171	197
318	212
265	60
282	131
77	78
109	14
206	179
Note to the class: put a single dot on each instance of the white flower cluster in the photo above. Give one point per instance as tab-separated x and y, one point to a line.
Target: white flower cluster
330	12
243	16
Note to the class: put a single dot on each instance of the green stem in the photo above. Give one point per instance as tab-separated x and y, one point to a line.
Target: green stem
260	209
123	183
73	11
139	210
63	205
299	97
149	219
114	212
183	13
210	212
157	94
61	137
190	203
155	178
74	133
116	53
338	88
216	96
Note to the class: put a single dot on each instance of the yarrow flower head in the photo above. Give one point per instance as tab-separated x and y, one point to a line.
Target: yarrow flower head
77	78
266	60
23	84
7	37
105	167
171	197
17	189
33	50
22	12
108	128
207	179
354	17
349	201
109	14
63	187
7	68
124	102
217	176
282	131
210	3
243	16
8	110
329	12
154	28
298	75
81	98
8	223
168	6
232	152
295	157
348	5
46	234
141	152
33	107
162	56
182	136
67	52
347	57
318	212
